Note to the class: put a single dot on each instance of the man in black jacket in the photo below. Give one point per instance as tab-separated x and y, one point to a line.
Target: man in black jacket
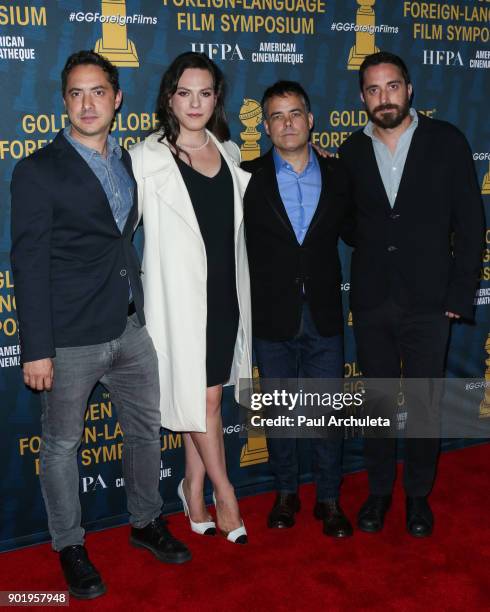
419	231
293	214
80	308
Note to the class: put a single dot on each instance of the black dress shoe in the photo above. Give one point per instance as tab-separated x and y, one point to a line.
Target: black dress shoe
282	514
420	520
84	581
157	538
371	516
335	523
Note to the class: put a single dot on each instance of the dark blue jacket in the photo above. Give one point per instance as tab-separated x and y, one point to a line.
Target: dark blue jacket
70	262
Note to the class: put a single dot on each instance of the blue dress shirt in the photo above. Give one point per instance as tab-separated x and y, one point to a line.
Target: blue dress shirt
113	177
299	192
111	173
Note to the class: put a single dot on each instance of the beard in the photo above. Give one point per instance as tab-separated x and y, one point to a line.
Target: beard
389	120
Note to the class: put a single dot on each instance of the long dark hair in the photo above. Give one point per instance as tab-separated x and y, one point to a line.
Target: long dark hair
167	121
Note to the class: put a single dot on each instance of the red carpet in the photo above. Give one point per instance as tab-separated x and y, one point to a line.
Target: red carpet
301	569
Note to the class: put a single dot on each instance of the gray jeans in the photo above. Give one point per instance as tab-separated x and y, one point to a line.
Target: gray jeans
127	367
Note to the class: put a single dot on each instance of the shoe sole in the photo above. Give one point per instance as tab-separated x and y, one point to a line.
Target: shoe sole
183	558
370	529
92	595
280	525
339	536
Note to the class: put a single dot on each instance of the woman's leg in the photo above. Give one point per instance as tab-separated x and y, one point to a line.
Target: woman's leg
194	482
211	449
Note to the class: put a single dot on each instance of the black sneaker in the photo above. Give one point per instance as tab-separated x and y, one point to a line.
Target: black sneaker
83	579
157	538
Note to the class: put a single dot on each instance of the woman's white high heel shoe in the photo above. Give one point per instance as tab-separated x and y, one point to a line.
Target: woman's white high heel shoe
238	535
206	528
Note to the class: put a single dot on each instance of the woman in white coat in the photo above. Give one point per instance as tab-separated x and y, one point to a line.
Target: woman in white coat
195	276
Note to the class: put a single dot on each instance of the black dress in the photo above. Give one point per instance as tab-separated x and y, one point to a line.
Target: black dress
213	201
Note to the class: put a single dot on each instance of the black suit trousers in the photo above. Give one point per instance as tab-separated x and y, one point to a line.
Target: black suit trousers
392	342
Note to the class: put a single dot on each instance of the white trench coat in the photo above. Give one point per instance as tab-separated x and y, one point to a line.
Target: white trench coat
174	282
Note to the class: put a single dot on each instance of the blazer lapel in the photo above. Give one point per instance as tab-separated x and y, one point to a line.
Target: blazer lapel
272	193
88	179
372	169
409	176
133	213
419	143
322	200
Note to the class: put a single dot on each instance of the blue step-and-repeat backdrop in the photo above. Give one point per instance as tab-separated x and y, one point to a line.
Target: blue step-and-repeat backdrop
320	43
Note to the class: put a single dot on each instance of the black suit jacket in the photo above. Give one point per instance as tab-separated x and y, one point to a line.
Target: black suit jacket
426	251
280	266
70	262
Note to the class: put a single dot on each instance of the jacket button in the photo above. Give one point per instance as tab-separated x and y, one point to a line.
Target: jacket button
394	216
392	248
123	272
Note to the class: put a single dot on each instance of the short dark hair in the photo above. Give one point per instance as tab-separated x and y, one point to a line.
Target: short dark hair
283	88
383	57
81	58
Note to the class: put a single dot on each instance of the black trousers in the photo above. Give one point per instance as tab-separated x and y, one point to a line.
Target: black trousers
392	342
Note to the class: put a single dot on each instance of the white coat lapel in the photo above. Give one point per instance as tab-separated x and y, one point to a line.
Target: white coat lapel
159	164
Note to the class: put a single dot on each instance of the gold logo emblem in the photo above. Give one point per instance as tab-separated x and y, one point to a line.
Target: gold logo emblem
251	116
254	451
485	188
115	44
485	403
365	19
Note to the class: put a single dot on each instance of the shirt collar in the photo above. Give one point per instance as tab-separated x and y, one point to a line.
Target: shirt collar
282	164
113	147
368	130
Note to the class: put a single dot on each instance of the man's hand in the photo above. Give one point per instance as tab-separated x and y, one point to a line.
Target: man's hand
322	152
452	315
38	375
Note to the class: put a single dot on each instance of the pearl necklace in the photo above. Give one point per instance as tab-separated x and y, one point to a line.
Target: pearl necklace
184	146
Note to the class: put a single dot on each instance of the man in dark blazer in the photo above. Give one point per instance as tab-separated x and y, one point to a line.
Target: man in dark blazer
418	244
80	309
293	211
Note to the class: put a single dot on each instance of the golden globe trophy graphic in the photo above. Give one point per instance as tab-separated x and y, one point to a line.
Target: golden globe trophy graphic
251	116
485	189
485	404
115	44
365	19
254	451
